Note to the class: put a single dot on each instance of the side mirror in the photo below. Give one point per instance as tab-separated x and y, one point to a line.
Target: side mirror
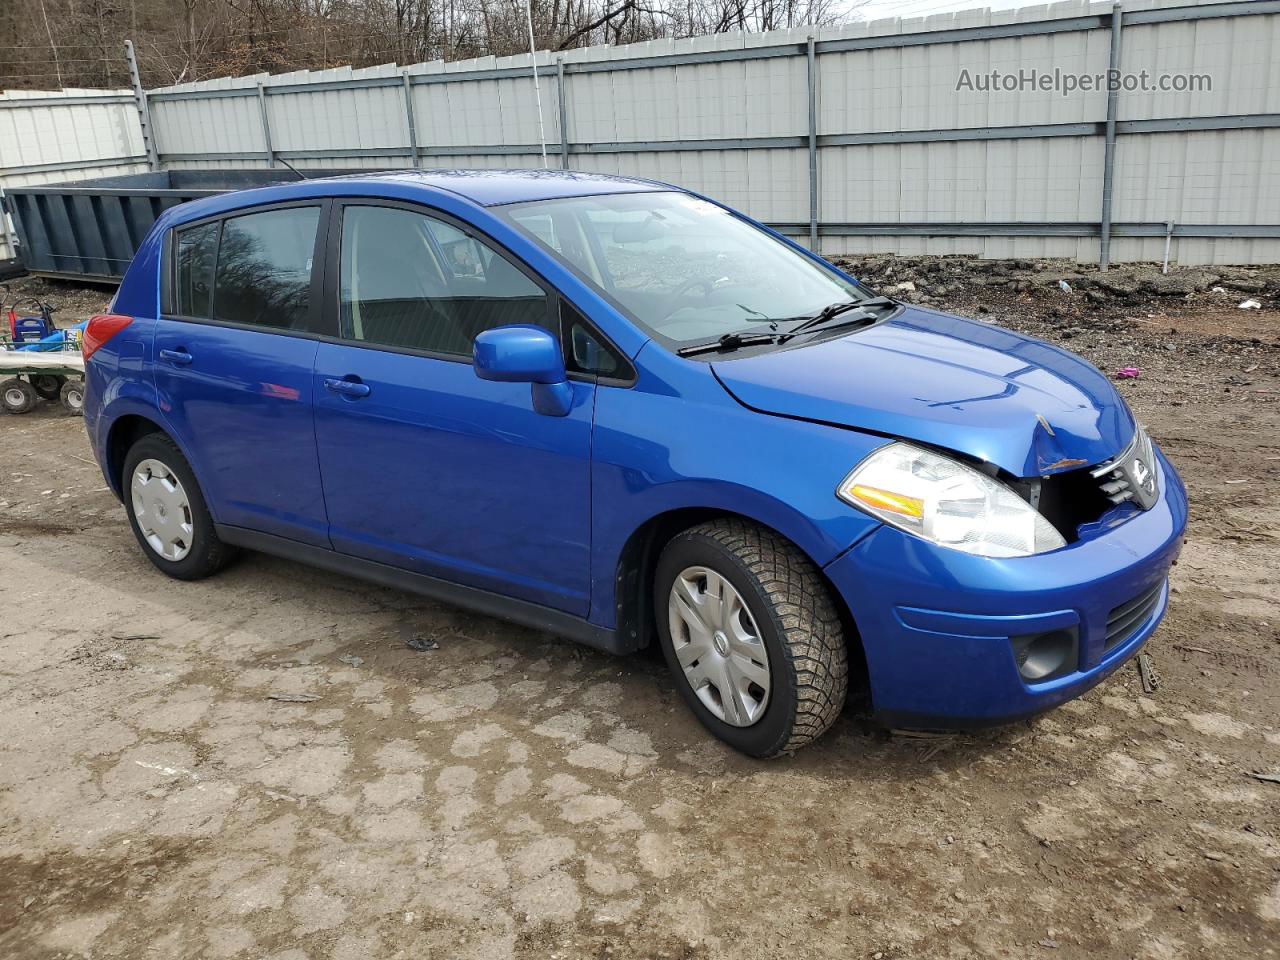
525	354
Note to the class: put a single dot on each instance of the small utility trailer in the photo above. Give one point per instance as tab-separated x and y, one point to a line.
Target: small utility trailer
29	376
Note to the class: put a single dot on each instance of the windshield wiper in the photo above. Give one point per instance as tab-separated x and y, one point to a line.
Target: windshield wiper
822	319
731	341
773	324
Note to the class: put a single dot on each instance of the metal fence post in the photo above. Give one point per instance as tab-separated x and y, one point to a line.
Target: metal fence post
409	118
11	237
266	125
812	78
1109	147
144	114
564	115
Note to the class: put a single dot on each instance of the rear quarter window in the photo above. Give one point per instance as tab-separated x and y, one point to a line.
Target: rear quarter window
195	250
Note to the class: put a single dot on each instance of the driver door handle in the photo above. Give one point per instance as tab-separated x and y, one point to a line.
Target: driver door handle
352	389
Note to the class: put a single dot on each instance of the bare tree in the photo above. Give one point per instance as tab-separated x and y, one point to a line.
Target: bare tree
80	42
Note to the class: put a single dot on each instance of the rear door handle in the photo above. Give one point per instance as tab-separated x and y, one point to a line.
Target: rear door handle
347	388
178	357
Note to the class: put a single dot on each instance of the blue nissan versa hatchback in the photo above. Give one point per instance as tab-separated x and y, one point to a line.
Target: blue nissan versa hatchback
617	411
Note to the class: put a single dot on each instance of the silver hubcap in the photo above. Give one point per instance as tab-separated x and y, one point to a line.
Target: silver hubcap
161	509
75	398
719	646
14	397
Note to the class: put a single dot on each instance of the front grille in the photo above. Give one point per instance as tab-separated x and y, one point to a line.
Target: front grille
1131	475
1125	620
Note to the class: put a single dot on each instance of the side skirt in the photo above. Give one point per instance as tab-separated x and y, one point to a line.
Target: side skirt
523	612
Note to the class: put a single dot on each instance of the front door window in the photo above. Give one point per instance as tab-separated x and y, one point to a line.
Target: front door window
416	282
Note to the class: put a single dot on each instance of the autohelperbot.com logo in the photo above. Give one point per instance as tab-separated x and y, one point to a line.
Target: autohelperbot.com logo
1067	83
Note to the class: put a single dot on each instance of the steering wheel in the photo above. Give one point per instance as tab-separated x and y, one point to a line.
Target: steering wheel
674	298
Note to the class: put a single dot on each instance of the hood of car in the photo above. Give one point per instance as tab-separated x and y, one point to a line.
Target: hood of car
1025	405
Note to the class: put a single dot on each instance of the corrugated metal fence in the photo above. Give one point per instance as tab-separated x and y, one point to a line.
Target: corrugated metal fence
69	135
859	138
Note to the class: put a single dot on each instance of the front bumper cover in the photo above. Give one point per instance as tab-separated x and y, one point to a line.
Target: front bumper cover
936	623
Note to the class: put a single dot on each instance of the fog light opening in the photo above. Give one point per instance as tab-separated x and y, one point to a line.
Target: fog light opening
1044	656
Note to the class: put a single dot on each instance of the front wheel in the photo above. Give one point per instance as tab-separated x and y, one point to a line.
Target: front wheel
168	513
751	635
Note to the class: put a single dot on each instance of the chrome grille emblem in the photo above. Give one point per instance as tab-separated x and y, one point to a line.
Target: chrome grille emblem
1143	476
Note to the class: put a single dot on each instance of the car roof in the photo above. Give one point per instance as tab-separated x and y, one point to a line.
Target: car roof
493	187
487	188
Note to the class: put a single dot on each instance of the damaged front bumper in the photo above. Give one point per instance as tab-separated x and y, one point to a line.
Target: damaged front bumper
952	639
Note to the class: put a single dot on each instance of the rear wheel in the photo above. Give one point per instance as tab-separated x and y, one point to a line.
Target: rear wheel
168	513
18	396
48	385
72	394
752	636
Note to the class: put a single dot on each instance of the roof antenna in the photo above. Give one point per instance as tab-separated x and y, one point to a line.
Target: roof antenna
300	174
537	92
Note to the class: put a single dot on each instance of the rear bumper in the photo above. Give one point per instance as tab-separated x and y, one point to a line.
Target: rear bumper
936	624
95	423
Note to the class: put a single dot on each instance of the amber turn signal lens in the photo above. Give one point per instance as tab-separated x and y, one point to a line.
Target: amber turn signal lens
885	500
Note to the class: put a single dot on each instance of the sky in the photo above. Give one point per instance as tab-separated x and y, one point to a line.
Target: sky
877	9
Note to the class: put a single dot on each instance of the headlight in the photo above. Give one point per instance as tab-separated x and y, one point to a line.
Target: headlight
947	502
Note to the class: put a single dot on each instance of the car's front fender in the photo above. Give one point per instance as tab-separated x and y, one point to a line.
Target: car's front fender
677	441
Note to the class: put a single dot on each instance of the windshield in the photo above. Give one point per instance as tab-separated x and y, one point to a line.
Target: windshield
685	269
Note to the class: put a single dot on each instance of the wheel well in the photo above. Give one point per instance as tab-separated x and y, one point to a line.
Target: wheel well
638	564
125	432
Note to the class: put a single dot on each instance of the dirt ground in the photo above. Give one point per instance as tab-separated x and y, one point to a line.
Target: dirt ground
259	765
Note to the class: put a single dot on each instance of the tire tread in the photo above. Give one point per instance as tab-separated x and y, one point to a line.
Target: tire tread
209	554
808	623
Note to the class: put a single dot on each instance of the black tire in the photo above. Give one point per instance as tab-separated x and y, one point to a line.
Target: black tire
797	620
72	396
18	396
48	385
206	554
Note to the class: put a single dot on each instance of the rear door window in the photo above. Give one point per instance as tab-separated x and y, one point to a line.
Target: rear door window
263	272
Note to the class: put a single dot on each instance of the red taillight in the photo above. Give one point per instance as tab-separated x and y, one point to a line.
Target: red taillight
99	330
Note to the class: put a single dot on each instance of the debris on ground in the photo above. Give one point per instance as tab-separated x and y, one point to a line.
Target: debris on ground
421	644
1128	373
293	697
1251	305
1186	341
1147	673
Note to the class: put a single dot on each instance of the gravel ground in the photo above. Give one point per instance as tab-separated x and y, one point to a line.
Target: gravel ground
259	765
